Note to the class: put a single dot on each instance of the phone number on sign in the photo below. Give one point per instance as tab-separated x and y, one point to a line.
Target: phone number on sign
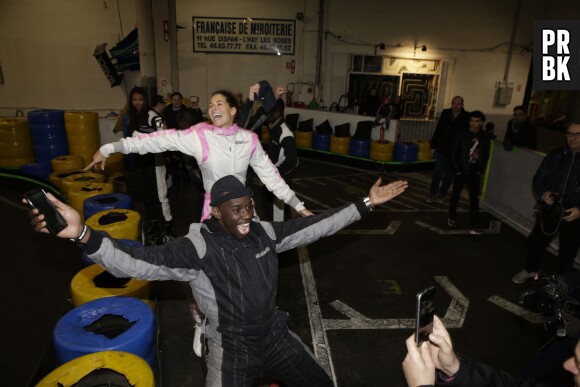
238	46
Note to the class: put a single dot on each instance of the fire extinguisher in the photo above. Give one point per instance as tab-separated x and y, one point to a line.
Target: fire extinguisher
288	98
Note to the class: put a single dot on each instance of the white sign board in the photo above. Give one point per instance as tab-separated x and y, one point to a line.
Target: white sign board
244	35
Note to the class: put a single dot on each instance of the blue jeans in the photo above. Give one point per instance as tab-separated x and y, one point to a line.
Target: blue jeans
442	171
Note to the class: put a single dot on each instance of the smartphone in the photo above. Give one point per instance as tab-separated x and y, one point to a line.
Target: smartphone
37	198
425	313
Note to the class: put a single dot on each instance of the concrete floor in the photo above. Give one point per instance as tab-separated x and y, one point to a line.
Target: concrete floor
353	292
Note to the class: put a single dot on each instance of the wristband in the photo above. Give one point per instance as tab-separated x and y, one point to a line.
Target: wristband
369	204
81	236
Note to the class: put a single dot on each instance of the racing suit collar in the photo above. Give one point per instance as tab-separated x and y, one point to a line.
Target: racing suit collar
226	131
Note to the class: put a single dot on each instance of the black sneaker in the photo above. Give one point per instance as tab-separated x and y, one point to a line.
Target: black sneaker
451	222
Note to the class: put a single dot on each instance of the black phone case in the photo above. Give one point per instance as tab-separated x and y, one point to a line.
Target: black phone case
37	198
425	310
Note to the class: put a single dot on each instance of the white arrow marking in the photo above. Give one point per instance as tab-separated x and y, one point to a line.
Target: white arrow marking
319	338
494	228
535	318
390	230
454	316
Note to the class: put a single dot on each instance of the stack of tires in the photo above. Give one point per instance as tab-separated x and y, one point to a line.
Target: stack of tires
381	150
424	150
105	368
48	136
406	152
15	142
82	132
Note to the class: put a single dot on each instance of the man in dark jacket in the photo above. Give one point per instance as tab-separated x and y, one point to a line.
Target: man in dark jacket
283	154
557	187
520	131
436	362
451	121
469	156
231	264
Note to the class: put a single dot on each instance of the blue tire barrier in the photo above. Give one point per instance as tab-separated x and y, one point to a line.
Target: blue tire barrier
107	324
47	134
359	148
128	242
321	141
107	201
114	368
40	170
406	152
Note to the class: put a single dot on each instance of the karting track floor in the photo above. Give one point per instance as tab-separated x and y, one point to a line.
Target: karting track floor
350	296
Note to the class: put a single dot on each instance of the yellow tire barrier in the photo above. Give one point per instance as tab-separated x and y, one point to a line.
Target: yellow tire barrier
80	179
56	177
15	142
303	139
424	152
382	151
83	288
63	163
115	164
119	224
82	132
339	144
78	194
134	368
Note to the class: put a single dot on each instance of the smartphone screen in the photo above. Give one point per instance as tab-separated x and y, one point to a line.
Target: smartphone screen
425	313
37	198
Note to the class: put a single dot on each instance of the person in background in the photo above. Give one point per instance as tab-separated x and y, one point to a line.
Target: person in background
142	121
450	122
282	151
177	106
231	264
469	156
557	188
520	131
155	120
174	160
370	104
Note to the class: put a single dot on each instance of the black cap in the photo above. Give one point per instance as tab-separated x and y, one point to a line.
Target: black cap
266	96
227	188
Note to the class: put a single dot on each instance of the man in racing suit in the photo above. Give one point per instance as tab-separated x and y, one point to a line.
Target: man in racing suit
231	263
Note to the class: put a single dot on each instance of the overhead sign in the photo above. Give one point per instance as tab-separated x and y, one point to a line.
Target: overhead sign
244	35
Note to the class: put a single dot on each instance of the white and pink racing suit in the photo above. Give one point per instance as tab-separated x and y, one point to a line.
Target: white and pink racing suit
219	152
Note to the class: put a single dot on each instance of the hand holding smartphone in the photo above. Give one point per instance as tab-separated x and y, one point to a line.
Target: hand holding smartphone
425	312
37	198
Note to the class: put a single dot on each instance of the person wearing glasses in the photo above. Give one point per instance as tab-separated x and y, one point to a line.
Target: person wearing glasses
520	131
557	187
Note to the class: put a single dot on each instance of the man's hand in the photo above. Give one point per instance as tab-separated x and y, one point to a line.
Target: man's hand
98	157
418	365
254	89
549	197
279	91
571	214
382	194
305	213
441	347
72	217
